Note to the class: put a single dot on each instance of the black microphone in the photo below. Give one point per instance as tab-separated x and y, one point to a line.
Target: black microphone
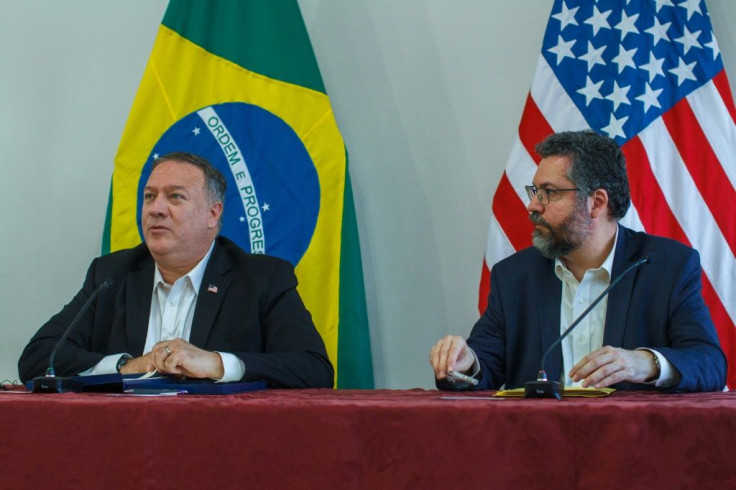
50	383
543	388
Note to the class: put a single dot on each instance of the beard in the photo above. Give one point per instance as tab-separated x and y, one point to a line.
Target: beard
565	238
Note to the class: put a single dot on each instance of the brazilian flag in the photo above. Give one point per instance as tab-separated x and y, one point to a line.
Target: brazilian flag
237	82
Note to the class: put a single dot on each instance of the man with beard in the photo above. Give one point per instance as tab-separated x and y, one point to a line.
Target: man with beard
652	332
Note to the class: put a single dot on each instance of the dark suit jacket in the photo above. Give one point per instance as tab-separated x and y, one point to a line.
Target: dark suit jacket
256	314
659	306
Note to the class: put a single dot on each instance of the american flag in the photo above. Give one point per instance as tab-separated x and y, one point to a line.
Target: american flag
649	74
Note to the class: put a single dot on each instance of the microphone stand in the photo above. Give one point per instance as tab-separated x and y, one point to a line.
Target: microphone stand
50	383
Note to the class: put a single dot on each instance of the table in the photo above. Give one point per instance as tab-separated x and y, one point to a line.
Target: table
375	439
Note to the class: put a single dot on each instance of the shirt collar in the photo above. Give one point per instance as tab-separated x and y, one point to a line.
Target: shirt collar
195	275
607	265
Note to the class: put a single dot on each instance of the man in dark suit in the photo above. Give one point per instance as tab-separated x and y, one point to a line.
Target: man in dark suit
653	331
187	302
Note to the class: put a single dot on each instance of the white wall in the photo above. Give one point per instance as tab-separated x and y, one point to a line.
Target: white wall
428	95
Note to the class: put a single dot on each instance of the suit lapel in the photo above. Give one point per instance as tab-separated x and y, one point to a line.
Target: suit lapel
210	296
619	297
138	290
549	320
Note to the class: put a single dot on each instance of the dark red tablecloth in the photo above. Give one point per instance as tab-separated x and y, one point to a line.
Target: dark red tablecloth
379	439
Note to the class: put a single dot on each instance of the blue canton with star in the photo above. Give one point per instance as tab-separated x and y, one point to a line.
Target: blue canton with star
625	63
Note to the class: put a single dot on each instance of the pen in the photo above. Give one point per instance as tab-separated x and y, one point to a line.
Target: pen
462	377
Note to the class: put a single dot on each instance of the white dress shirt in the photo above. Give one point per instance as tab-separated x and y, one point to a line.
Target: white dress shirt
587	336
576	297
172	312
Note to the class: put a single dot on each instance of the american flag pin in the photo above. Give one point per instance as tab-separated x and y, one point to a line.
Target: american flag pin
212	289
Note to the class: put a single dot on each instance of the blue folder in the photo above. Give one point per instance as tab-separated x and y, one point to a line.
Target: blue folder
162	383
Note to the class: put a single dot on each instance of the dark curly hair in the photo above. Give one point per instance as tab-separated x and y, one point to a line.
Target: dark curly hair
597	162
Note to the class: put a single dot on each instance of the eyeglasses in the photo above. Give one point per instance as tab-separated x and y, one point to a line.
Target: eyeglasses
541	194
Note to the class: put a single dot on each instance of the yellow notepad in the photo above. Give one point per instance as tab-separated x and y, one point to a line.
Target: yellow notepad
577	391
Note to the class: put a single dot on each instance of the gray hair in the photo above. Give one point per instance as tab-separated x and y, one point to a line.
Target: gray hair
214	181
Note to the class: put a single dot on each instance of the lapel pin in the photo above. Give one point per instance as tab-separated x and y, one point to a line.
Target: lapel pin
212	289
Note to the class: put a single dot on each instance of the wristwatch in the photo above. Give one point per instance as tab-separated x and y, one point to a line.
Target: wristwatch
122	361
657	368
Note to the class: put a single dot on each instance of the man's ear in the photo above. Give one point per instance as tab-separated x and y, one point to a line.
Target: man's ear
215	213
599	203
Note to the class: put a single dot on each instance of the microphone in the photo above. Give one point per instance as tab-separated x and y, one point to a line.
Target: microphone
543	388
50	383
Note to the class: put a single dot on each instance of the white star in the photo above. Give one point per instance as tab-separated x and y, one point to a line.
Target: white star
654	67
625	58
598	20
593	56
616	126
242	219
591	91
683	71
619	95
563	49
658	31
650	97
266	207
713	44
626	25
691	6
689	39
662	3
566	16
195	131
155	156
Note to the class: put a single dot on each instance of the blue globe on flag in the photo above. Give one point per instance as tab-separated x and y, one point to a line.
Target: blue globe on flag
273	191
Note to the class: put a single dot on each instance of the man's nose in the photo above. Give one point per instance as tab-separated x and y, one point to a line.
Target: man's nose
535	206
157	206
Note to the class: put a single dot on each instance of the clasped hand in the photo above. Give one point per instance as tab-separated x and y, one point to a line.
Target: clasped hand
178	356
